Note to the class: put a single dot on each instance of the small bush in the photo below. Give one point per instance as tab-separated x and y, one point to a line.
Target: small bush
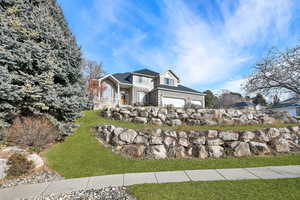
32	131
18	165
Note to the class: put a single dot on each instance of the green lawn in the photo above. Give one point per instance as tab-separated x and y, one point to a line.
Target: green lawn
220	190
81	155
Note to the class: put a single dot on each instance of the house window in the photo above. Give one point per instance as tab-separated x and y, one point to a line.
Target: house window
141	80
141	97
169	81
108	93
297	111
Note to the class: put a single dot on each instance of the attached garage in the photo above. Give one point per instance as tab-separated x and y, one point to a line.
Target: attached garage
198	103
176	102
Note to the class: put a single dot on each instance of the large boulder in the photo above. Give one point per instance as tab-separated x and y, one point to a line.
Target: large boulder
261	136
36	159
170	141
212	134
247	136
295	129
156	121
106	135
140	139
182	134
154	140
215	142
273	133
158	151
117	116
180	152
215	151
281	145
128	136
183	142
3	167
242	150
259	148
229	136
117	131
162	117
144	113
171	133
200	140
199	151
142	120
134	151
174	122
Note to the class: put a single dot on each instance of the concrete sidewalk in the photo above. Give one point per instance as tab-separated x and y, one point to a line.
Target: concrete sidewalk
68	185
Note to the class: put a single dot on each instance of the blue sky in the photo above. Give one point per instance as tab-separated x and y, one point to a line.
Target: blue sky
210	44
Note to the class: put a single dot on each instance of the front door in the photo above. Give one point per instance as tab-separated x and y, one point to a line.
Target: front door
123	99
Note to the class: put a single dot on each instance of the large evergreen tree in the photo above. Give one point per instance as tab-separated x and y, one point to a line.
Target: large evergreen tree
211	101
39	62
259	99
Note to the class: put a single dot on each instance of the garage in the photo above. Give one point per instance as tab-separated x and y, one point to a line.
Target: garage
198	103
176	102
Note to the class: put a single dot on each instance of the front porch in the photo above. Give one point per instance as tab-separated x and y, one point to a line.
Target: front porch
112	93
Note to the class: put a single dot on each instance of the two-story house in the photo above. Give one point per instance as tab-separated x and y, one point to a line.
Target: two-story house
145	87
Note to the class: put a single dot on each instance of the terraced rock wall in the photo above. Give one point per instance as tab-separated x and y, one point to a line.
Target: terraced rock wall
162	144
173	117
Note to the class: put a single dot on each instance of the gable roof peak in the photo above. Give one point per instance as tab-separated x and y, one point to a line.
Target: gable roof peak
146	71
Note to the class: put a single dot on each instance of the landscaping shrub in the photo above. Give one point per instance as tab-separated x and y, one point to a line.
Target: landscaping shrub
36	132
18	165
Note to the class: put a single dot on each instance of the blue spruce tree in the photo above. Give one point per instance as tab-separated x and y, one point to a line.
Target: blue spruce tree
40	64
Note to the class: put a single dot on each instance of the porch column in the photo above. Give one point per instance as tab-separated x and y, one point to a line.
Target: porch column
99	90
118	95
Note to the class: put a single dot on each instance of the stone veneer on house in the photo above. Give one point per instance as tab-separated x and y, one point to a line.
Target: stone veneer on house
172	116
161	144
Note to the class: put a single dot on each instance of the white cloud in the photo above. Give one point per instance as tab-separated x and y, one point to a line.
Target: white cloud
205	55
200	51
234	85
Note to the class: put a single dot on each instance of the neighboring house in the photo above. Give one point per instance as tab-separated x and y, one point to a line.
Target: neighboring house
292	106
145	87
227	99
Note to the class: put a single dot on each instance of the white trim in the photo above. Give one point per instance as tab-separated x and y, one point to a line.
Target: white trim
146	75
159	88
110	75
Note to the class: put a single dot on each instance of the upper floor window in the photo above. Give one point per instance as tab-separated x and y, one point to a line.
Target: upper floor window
142	79
169	81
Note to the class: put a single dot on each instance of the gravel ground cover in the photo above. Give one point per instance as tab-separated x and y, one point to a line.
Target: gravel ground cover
108	193
38	177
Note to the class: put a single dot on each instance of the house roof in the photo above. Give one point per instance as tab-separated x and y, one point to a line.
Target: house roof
123	77
173	74
292	102
146	72
243	104
283	105
178	88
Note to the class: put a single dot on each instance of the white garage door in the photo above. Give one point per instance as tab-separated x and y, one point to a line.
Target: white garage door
173	101
198	103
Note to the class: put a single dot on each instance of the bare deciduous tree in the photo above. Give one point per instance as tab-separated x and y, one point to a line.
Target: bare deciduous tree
92	69
278	72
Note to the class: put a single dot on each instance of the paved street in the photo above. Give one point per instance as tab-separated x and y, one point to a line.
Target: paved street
68	185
